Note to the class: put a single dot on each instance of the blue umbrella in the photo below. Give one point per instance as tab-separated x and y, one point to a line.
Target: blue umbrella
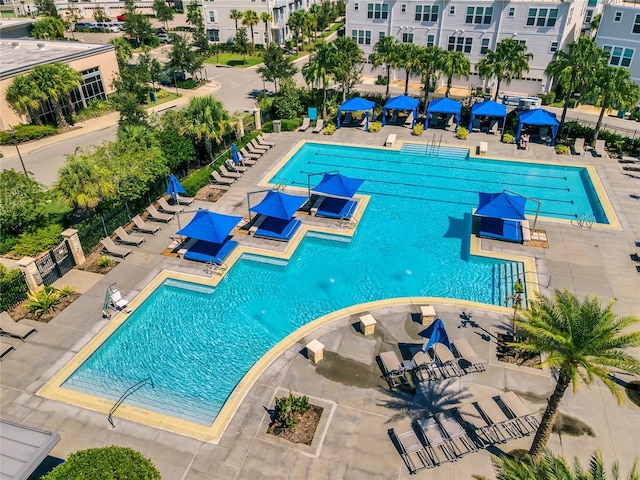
174	187
235	156
210	226
436	333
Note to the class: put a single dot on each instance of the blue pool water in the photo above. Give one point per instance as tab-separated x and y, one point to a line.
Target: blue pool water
197	342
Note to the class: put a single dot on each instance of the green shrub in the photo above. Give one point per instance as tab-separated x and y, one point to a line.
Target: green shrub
7	244
417	129
106	463
562	149
13	289
375	127
508	138
291	125
31	244
381	80
25	133
197	180
462	133
43	301
104	261
549	98
288	410
329	129
188	84
65	291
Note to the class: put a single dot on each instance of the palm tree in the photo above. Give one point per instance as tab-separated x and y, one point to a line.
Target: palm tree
235	15
296	24
348	63
454	65
582	341
429	59
23	97
308	25
56	81
510	60
385	52
573	69
266	18
407	58
205	119
320	69
612	87
315	11
250	19
83	182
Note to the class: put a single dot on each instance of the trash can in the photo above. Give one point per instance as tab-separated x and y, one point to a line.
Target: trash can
152	96
277	126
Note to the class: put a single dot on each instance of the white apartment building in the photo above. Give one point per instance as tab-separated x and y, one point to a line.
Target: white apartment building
619	33
472	27
221	28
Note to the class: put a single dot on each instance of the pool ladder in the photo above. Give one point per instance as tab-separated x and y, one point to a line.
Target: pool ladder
131	390
347	223
433	143
585	220
212	268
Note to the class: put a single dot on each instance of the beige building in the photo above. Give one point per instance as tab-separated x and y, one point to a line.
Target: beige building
96	63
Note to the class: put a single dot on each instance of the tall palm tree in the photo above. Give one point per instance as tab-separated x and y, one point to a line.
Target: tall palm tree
572	69
205	119
308	25
348	64
236	15
266	18
612	87
23	97
319	69
250	19
315	11
582	341
429	59
454	65
56	81
510	60
407	58
82	182
385	52
296	24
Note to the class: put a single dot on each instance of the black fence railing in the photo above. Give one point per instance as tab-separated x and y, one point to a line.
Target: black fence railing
13	290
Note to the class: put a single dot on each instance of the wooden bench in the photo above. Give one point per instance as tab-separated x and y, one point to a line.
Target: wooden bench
391	140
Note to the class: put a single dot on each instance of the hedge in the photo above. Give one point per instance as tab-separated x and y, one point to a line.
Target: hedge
31	244
25	133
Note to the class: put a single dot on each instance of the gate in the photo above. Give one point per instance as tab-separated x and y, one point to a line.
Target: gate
55	263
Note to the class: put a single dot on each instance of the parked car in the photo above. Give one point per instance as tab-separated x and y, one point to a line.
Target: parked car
108	27
168	81
122	17
164	38
160	30
84	26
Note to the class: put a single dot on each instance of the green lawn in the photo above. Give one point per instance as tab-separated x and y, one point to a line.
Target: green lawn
167	96
332	29
234	60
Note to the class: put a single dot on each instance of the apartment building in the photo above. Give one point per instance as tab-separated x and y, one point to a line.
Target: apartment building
221	28
472	27
619	34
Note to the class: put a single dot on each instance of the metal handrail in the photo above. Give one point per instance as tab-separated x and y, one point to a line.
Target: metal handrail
132	389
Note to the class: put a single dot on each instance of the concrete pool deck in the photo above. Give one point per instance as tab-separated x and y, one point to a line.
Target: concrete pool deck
347	381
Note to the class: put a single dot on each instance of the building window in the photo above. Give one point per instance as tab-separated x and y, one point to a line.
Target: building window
381	36
588	16
212	16
452	10
460	44
542	17
431	40
485	46
636	24
426	13
403	8
479	15
522	42
356	6
620	57
553	48
361	37
213	35
512	12
617	17
379	11
407	38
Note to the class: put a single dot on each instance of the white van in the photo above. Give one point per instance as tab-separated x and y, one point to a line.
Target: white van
530	103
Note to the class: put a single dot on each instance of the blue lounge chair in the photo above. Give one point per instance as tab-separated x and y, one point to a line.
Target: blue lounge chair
507	230
336	208
210	252
277	228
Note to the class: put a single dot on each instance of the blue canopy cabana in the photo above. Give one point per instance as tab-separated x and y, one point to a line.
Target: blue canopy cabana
501	215
279	205
443	105
337	186
436	333
357	104
541	118
401	103
488	108
210	226
174	187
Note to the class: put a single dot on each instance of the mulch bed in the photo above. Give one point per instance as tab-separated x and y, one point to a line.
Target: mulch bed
21	311
209	193
304	431
509	354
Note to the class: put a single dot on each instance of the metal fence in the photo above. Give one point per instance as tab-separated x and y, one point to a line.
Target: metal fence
626	132
13	290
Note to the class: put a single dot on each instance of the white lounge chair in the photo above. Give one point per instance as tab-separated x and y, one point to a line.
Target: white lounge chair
469	359
227	173
433	434
117	301
319	126
459	440
523	417
409	120
184	200
113	249
124	237
140	225
306	123
599	149
9	327
425	366
392	369
578	146
257	147
5	348
446	361
166	208
217	179
232	167
263	141
391	140
493	128
497	419
155	215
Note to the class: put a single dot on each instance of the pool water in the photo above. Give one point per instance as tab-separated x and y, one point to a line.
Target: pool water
197	342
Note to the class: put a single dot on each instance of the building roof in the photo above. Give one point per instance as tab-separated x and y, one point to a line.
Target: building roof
21	55
23	449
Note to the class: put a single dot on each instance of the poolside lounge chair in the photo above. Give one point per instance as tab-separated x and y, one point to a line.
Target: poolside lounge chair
12	329
117	301
124	237
319	126
113	249
523	418
446	361
217	179
391	140
232	167
483	431
434	437
425	366
392	369
306	123
459	440
184	200
544	134
495	417
493	128
348	119
247	155
156	216
5	348
256	146
409	120
254	151
412	452
469	359
262	140
140	225
578	146
166	208
599	149
476	125
227	173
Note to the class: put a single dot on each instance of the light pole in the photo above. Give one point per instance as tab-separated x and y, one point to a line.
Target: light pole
13	132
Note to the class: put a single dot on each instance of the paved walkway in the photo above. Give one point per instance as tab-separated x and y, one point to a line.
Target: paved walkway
359	407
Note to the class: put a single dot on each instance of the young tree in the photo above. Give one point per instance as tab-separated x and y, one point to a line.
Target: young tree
250	19
319	69
21	199
99	15
182	58
139	28
152	66
510	60
47	8
582	341
266	17
49	28
24	97
454	65
277	66
385	52
164	13
241	44
71	17
130	108
236	15
56	81
287	103
195	18
123	49
205	119
82	182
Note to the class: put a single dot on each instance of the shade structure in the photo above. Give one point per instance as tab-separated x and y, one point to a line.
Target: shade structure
210	226
174	187
235	156
443	105
538	117
488	108
279	205
337	185
436	333
357	104
501	205
402	102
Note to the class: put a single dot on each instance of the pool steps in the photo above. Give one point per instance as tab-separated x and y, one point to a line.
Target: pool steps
435	151
504	277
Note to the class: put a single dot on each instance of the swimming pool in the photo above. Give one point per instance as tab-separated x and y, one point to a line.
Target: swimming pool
413	240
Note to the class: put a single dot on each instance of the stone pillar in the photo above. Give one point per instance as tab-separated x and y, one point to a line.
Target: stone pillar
31	273
71	236
258	118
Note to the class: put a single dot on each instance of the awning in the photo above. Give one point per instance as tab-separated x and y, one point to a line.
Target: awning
210	226
23	449
488	108
402	102
279	205
357	104
501	205
337	185
538	117
443	105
